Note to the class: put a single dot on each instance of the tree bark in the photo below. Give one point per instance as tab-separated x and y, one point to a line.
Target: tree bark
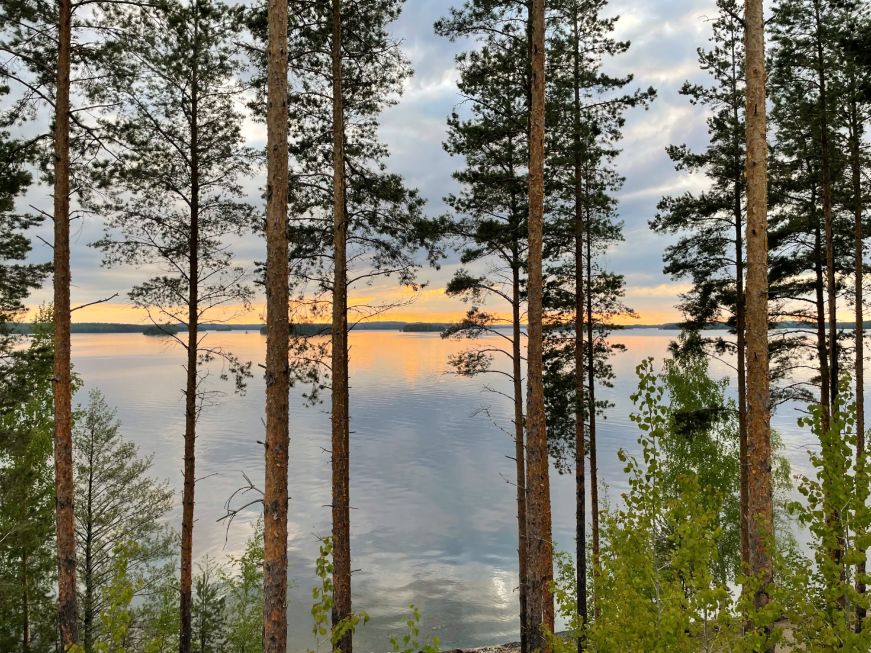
859	276
591	406
828	222
88	572
828	217
190	421
519	450
340	396
760	519
580	436
277	343
540	608
822	346
741	347
25	606
63	442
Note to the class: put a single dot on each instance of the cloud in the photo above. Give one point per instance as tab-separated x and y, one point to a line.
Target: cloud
665	35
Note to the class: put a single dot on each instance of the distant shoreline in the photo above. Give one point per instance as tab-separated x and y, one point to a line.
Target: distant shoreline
323	329
306	329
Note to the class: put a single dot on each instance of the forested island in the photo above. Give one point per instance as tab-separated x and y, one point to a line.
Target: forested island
233	158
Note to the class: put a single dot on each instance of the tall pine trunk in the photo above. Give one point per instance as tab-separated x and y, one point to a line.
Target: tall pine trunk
277	338
340	399
190	417
540	608
828	214
741	353
760	518
591	403
88	571
519	449
580	444
828	222
822	346
68	617
859	276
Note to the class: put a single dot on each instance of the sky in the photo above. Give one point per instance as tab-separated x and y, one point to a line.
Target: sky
664	34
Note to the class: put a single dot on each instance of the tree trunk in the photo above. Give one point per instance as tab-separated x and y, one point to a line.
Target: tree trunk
519	450
277	338
190	421
828	217
822	347
340	398
63	442
760	519
741	347
591	406
25	606
831	288
859	276
580	444
88	571
540	609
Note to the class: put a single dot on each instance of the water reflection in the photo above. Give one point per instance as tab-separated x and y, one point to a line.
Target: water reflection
433	519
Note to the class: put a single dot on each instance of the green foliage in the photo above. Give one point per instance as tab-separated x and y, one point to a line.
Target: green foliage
323	604
702	441
209	610
244	598
657	590
159	614
117	501
821	595
710	223
486	225
117	617
410	641
177	163
227	605
565	594
27	556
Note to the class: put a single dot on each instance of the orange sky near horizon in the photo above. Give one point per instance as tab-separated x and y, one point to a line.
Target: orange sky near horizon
425	305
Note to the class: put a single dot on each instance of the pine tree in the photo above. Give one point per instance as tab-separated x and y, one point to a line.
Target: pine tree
18	276
209	608
489	226
586	111
760	509
811	237
540	607
277	333
28	566
353	222
710	250
63	395
116	502
175	192
489	221
811	115
342	605
858	113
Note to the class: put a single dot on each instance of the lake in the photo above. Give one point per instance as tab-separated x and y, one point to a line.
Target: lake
433	519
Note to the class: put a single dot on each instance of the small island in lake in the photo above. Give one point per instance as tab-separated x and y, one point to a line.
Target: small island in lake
423	327
161	330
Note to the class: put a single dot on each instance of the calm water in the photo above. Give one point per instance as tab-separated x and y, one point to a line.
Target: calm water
434	515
